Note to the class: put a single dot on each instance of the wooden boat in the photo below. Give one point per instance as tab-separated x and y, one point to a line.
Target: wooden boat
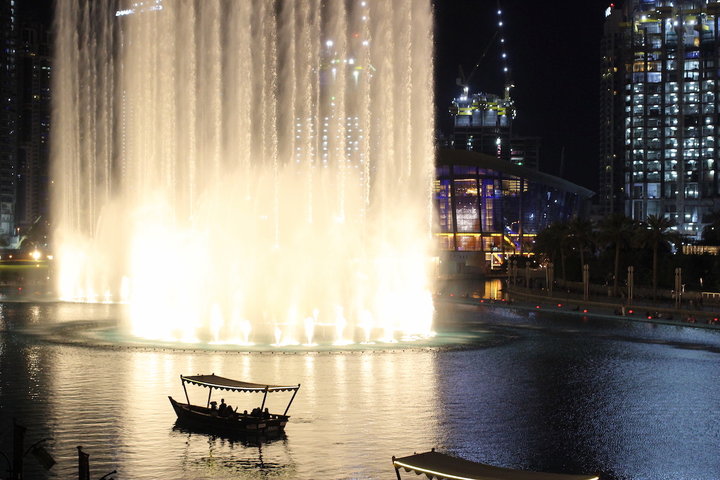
439	466
209	418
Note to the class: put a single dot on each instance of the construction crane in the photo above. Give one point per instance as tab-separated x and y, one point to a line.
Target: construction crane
464	80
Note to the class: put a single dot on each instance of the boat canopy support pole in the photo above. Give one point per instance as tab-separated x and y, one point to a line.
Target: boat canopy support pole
185	388
209	394
264	398
397	470
291	400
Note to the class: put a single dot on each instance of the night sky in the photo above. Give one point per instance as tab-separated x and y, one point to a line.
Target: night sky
36	10
554	56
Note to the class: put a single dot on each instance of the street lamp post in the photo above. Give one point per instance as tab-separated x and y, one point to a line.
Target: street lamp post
550	278
527	275
678	287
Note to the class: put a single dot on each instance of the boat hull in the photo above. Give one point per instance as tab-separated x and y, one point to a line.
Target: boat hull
205	419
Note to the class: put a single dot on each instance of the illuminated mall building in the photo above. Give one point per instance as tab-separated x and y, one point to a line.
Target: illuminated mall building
489	208
660	99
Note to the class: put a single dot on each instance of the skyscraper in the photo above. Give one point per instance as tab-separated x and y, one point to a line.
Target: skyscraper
660	102
483	122
33	73
8	115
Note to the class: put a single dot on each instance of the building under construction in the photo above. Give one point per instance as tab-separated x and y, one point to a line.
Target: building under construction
660	106
482	122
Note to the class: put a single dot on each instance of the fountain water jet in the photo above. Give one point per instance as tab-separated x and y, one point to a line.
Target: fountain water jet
221	164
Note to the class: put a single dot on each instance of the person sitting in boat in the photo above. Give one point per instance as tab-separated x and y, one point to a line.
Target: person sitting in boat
266	413
222	407
255	412
227	411
213	407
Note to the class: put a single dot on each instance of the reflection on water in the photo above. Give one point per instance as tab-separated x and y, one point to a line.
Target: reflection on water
218	455
628	401
489	289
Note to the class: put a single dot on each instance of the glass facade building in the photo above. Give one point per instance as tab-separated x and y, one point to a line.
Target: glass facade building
8	115
495	208
660	105
33	126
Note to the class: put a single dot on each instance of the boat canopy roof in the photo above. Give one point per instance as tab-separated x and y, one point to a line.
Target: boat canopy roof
439	466
222	383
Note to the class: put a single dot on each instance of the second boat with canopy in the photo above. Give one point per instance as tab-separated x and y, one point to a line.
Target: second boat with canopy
227	419
439	466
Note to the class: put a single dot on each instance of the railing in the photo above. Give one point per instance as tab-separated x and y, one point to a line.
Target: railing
710	296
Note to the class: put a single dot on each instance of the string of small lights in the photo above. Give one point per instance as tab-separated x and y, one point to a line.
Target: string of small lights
504	60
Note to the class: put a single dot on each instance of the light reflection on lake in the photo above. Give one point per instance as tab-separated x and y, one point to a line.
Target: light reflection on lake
630	401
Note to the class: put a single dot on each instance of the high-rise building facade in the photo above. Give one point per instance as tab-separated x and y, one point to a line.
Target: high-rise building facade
482	122
660	124
611	143
33	73
8	115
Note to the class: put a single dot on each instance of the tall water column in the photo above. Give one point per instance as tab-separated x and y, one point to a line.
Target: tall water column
246	171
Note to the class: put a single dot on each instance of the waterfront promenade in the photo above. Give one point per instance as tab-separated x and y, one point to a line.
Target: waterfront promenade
569	302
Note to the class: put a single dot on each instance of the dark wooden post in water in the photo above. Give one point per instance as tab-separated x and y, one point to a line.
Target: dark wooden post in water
291	400
83	465
18	448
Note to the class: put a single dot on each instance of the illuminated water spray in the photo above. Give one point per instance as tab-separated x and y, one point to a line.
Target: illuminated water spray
247	172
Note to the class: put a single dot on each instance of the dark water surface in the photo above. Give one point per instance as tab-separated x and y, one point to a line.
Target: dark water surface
528	390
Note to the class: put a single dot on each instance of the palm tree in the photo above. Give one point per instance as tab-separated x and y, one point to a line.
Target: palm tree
616	230
552	243
581	236
657	231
